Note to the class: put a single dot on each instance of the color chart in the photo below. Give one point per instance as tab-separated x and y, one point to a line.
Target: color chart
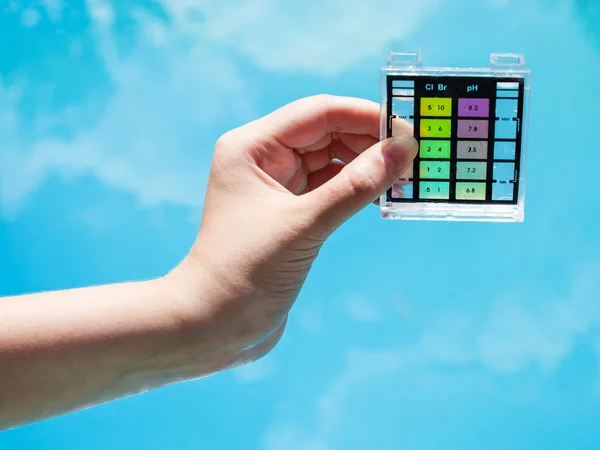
469	130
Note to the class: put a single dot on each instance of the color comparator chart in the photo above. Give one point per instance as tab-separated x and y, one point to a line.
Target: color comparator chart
469	132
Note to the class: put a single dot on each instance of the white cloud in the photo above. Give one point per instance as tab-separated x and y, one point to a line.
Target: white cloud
101	11
155	134
178	83
309	314
54	9
361	366
515	335
30	17
362	308
12	6
284	437
531	332
324	37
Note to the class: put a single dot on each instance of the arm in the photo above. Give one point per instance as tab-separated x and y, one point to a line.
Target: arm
304	169
62	350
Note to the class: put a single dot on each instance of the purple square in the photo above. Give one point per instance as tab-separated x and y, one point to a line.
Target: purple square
473	107
473	129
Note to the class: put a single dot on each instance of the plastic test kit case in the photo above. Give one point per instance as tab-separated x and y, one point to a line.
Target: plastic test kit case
471	125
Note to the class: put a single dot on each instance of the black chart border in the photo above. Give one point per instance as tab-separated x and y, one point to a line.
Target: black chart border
454	80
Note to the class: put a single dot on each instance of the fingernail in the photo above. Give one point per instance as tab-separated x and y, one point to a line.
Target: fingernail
398	152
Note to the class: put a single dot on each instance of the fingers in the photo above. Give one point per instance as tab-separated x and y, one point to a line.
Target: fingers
316	160
346	149
297	184
355	142
320	177
401	127
360	182
358	143
305	122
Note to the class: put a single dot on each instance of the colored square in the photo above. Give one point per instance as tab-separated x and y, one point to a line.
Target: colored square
503	191
436	106
506	107
403	92
434	190
472	149
473	107
435	149
403	84
434	169
506	129
470	191
504	171
470	170
507	93
512	85
473	128
441	128
505	149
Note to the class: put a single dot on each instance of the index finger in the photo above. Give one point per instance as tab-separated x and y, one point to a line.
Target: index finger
306	121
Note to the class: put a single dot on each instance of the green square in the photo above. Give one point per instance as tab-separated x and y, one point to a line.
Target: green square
434	169
471	170
435	149
434	190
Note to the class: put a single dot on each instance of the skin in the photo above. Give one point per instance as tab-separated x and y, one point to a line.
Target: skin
303	170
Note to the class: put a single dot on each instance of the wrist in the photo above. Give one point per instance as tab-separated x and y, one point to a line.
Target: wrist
196	297
180	328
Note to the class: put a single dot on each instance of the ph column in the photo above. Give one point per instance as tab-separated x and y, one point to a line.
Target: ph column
472	148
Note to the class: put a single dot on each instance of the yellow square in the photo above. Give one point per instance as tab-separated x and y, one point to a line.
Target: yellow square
436	106
470	191
441	128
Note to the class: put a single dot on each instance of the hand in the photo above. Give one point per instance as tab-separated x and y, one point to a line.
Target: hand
278	187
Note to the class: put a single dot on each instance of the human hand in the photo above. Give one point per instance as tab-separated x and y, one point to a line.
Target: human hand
278	188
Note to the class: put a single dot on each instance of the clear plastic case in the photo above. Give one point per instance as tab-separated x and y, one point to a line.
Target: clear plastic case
471	125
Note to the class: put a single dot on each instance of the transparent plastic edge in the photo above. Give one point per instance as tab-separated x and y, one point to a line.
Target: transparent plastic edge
454	212
450	71
524	143
383	73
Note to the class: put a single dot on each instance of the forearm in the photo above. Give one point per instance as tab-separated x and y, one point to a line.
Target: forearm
61	351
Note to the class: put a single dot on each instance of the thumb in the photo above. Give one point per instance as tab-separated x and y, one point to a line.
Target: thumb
363	180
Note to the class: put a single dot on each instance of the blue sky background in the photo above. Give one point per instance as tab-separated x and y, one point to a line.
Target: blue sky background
407	335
